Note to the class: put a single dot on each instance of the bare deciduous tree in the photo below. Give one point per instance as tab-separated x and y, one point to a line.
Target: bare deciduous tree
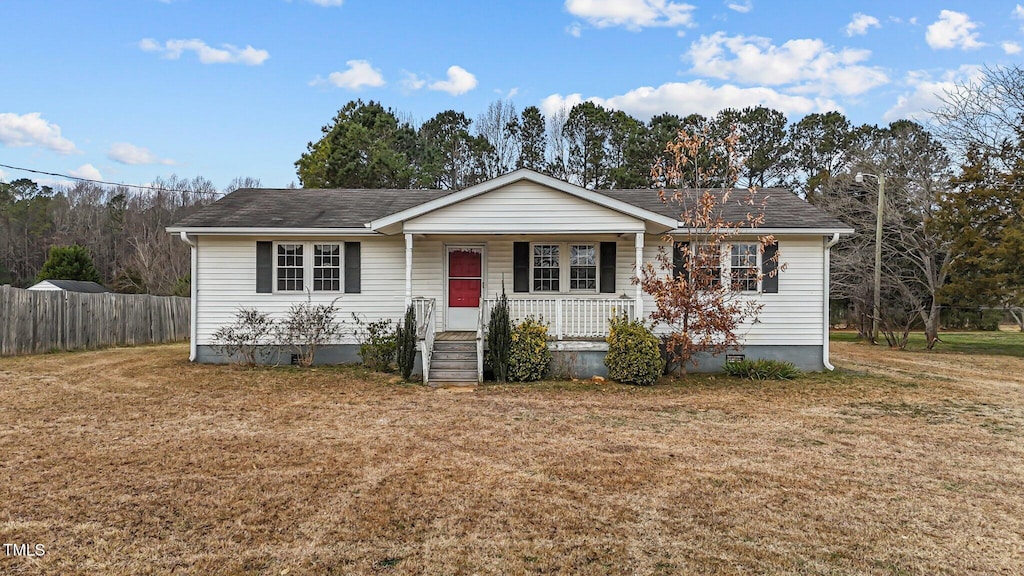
701	307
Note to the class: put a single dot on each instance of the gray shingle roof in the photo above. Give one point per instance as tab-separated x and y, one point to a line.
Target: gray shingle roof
353	208
782	208
305	207
78	286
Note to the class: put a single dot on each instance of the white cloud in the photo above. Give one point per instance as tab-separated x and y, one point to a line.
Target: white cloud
359	74
860	24
459	82
631	14
1011	48
953	30
556	102
226	54
412	82
327	3
804	65
23	130
1018	12
696	96
574	29
743	8
127	153
87	171
926	92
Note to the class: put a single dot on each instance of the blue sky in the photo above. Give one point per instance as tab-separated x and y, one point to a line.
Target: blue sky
130	90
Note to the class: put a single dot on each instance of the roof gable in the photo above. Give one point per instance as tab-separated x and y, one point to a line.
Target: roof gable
389	223
522	207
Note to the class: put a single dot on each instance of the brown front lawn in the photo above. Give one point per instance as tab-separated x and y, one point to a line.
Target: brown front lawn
133	461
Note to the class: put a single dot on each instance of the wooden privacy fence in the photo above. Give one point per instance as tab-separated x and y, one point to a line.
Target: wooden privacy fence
40	321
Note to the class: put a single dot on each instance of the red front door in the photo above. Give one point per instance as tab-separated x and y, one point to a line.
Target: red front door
465	280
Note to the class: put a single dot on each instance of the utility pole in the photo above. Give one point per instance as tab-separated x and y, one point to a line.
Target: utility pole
875	314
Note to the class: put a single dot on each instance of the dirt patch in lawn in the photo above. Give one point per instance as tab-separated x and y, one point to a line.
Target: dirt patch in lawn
133	461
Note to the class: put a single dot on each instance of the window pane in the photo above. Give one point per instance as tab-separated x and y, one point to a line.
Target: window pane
743	264
289	267
582	255
707	268
327	267
582	267
546	267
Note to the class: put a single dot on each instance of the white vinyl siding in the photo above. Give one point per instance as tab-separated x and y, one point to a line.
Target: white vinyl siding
226	270
794	315
226	273
523	207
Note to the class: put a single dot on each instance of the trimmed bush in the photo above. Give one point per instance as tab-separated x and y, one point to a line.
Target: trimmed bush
762	369
244	340
499	339
406	343
306	327
529	355
634	353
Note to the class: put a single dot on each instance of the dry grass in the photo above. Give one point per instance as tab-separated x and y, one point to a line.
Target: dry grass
132	461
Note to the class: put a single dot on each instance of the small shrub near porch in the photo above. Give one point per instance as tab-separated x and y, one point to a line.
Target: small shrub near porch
529	356
634	355
762	369
378	346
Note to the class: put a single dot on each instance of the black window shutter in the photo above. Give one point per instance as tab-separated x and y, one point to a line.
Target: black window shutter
353	268
264	267
521	267
608	267
769	269
679	260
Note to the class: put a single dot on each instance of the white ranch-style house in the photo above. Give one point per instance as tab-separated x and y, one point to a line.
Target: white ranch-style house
562	252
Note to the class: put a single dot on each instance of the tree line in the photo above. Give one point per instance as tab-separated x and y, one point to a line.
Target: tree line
123	230
369	146
952	220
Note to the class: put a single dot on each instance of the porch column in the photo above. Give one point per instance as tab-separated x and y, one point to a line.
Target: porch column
639	243
408	270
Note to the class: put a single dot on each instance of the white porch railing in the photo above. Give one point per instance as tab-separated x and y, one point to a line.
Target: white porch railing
425	329
568	317
422	307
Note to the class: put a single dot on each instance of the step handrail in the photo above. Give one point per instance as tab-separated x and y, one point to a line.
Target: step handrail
480	343
427	343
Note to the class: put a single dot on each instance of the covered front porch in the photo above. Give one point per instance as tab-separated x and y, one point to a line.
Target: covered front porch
574	283
560	253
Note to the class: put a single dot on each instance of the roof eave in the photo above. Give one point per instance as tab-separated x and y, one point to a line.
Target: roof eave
765	230
266	231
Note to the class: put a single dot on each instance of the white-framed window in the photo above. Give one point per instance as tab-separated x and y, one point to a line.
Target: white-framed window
735	264
552	262
547	267
744	266
707	266
302	266
582	267
290	268
326	267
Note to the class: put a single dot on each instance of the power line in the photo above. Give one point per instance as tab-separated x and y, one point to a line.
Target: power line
154	188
